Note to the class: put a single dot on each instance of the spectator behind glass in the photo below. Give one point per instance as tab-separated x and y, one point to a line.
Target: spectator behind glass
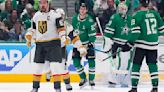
11	20
21	6
31	2
4	32
104	18
153	5
17	32
26	12
161	8
2	5
27	15
8	8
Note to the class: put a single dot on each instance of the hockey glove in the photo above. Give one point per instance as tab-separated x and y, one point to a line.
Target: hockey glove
90	45
127	47
65	40
28	43
82	50
28	37
29	34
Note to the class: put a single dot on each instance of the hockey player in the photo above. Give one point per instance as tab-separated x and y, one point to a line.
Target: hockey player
147	26
83	38
48	29
68	29
118	29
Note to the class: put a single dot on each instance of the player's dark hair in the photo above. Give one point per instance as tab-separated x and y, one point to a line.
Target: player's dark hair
144	3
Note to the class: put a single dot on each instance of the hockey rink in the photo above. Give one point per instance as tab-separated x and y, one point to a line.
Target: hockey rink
48	87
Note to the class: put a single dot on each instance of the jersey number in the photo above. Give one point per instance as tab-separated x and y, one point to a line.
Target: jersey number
151	25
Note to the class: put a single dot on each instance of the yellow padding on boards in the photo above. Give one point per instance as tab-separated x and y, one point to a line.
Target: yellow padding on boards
29	77
36	78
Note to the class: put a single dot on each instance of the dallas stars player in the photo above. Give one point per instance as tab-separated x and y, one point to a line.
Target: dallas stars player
83	38
147	26
118	29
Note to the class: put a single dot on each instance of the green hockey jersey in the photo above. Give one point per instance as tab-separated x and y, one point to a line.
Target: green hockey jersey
118	28
84	28
146	27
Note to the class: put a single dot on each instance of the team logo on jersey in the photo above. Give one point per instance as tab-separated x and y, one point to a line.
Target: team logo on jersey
42	26
125	30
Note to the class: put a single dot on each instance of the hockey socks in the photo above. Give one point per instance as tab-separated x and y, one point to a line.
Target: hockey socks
135	75
153	69
36	84
79	68
36	81
57	85
91	69
67	83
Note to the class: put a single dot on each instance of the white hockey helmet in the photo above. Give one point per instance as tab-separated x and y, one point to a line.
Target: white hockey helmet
122	9
61	11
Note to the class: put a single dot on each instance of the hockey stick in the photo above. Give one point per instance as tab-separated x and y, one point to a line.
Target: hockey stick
115	53
101	50
101	31
98	22
121	71
29	53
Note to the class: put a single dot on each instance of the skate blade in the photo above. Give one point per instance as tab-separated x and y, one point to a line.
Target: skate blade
69	90
81	87
92	87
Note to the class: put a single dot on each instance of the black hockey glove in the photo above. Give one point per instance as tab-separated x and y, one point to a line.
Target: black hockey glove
90	45
127	47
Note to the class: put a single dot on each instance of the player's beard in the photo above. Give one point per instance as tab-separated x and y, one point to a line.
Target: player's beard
44	9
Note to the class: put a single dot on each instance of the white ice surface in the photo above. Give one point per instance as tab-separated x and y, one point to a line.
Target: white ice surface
48	87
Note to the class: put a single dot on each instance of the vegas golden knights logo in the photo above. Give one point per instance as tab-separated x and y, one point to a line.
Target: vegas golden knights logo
42	26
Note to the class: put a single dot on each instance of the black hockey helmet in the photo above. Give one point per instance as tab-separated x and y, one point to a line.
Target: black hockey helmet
83	5
144	3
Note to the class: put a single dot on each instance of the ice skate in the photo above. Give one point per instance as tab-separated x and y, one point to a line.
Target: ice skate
111	84
133	90
154	90
58	90
92	84
83	83
34	90
68	87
